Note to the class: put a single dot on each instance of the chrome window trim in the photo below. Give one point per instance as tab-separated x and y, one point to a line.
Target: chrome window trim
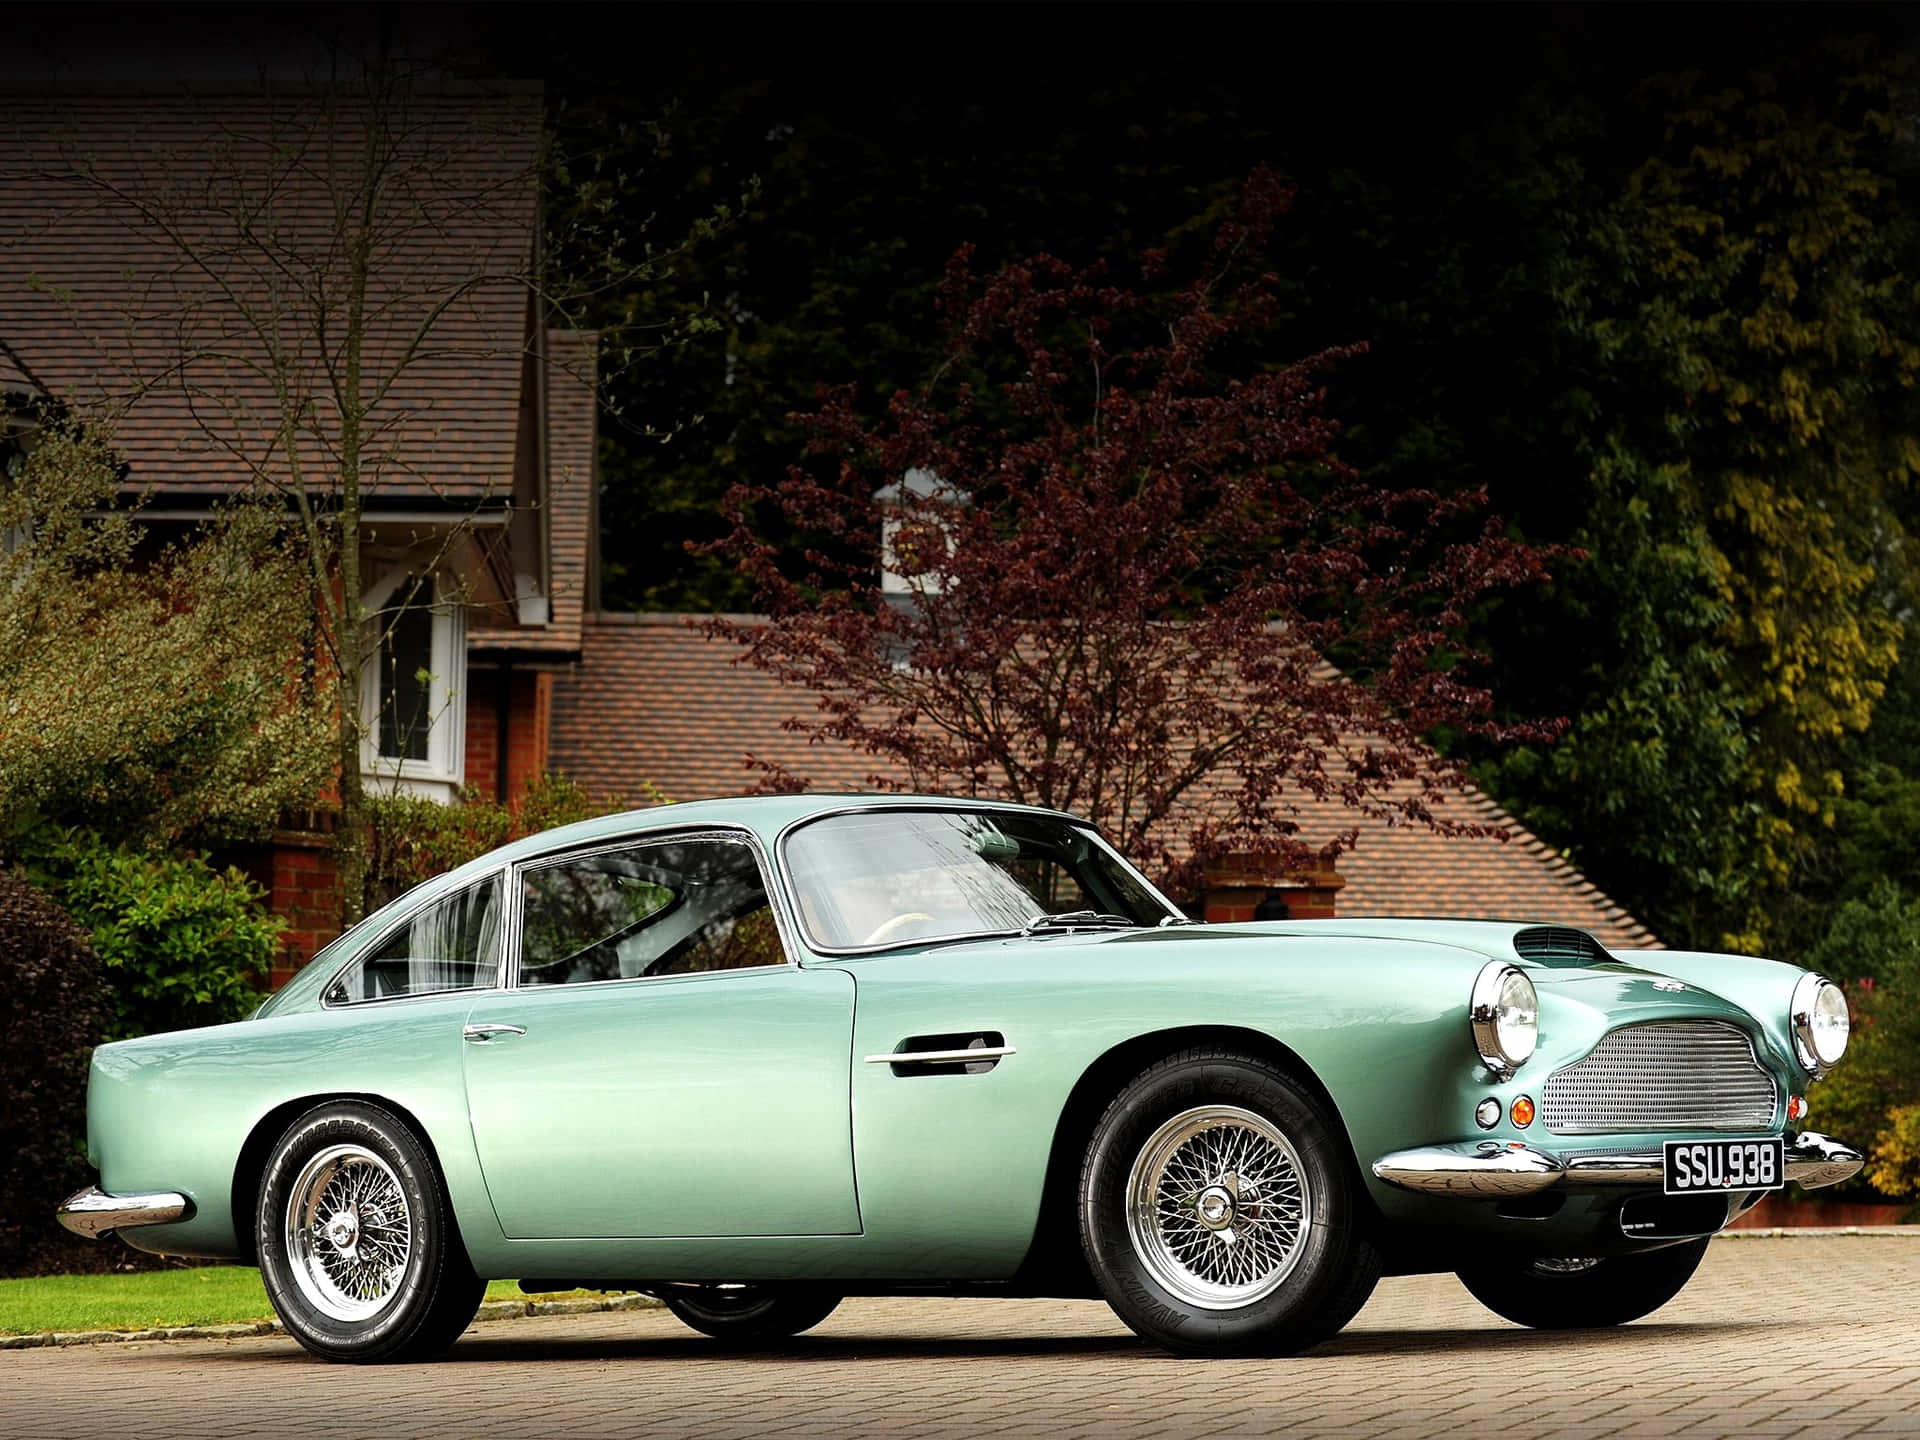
379	938
923	807
633	840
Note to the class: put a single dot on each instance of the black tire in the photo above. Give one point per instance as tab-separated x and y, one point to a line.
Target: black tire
1546	1295
1317	1275
750	1314
370	1165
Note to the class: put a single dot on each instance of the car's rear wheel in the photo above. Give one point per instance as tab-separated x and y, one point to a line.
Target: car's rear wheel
1584	1294
750	1314
358	1247
1218	1210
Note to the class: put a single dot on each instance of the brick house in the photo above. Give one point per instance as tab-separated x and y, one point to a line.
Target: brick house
490	491
479	493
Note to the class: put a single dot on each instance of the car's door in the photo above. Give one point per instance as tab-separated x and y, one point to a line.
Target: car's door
660	1068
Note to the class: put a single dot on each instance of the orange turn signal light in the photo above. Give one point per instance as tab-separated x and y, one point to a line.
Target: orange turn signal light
1522	1112
1796	1107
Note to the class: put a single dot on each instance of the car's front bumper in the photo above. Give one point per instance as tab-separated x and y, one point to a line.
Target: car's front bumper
95	1214
1491	1170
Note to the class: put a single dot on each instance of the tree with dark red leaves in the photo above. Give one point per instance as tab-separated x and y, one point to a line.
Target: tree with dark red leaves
1119	561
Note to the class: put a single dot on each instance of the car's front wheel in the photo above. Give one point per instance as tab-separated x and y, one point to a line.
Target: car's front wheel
1584	1294
749	1314
358	1247
1218	1211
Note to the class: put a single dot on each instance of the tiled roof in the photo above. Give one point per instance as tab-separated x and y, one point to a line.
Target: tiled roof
99	307
654	702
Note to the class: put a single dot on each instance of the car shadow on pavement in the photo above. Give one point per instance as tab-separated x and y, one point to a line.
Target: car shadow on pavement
1500	1338
486	1349
496	1349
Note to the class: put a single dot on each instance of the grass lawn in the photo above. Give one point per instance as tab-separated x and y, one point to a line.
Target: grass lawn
216	1295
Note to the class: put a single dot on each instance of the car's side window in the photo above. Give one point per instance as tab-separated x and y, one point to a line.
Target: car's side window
452	944
665	907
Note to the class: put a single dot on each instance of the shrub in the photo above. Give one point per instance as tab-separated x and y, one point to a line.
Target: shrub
1873	1098
413	839
56	997
1895	1168
197	726
183	944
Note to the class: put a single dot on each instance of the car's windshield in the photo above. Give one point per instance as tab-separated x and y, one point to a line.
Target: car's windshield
885	877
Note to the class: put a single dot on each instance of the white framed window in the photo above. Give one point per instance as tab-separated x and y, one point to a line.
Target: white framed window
413	701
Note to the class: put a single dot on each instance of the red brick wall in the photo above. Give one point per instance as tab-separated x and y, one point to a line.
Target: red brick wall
306	894
483	731
529	720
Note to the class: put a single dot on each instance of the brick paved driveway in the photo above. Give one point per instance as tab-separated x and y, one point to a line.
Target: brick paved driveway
1746	1350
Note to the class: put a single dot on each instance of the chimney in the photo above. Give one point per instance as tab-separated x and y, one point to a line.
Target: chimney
919	491
1240	888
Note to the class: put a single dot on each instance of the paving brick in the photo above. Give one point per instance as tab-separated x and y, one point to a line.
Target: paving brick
1755	1346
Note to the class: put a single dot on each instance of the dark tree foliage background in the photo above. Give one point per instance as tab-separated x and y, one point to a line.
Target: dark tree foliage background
1646	274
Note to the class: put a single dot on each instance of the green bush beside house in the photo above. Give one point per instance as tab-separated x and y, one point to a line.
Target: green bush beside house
182	943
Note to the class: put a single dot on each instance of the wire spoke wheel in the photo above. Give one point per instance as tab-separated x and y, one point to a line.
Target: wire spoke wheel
1217	1206
349	1232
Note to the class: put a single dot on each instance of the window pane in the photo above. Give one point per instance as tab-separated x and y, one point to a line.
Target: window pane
406	700
453	944
669	908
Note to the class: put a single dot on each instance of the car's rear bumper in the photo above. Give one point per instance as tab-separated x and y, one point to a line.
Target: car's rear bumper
1490	1170
95	1214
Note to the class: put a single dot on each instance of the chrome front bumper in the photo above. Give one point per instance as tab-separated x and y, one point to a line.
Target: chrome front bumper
95	1214
1490	1170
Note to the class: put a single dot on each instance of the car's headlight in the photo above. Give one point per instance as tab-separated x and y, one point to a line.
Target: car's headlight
1821	1023
1506	1017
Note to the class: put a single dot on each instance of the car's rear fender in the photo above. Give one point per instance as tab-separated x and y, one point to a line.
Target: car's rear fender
189	1111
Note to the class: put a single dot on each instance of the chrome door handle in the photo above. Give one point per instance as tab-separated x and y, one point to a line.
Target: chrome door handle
480	1034
943	1057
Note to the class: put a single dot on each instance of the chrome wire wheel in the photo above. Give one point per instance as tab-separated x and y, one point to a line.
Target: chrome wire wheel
1217	1207
350	1232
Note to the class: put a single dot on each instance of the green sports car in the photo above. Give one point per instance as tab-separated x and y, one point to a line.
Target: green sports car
753	1056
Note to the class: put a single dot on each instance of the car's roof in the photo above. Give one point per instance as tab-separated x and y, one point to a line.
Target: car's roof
765	814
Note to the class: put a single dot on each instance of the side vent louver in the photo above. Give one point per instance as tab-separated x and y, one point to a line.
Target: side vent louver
1559	944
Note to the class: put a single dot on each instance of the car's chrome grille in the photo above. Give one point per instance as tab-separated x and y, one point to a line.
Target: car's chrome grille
1670	1075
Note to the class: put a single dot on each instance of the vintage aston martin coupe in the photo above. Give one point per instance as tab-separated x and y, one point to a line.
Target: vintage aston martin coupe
753	1056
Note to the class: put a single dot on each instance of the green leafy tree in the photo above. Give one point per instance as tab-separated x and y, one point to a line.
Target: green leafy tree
1733	339
149	689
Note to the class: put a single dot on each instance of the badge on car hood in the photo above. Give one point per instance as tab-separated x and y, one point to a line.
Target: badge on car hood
1671	985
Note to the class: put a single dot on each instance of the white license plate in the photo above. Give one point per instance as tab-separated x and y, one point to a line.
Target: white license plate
1718	1167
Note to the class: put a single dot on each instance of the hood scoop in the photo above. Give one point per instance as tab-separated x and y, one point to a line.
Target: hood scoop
1560	946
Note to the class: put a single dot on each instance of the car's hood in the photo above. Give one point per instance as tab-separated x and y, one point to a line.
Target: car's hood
1554	954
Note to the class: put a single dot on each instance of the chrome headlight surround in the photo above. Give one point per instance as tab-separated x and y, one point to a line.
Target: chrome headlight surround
1505	1014
1821	1023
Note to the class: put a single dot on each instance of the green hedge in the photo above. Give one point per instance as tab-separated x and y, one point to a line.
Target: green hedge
413	839
183	944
